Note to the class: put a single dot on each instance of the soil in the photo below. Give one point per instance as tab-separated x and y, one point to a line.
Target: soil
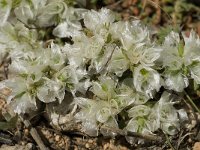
157	13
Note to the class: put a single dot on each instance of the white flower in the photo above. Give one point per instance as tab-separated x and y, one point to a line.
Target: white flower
104	57
87	115
110	68
84	51
94	20
21	98
103	114
67	29
26	68
129	95
94	111
191	48
118	63
138	111
49	14
136	44
5	7
68	78
180	60
170	56
51	58
104	89
195	72
8	35
129	34
163	115
146	79
24	13
23	104
137	125
50	90
138	121
176	81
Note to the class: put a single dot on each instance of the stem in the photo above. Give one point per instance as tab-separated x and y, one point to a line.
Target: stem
191	101
150	137
34	134
168	141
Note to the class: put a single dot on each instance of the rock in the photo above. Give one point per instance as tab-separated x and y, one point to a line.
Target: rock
196	146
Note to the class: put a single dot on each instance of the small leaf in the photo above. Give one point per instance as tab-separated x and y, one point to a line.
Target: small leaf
181	48
10	124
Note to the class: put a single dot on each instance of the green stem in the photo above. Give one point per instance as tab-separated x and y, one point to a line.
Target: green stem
191	101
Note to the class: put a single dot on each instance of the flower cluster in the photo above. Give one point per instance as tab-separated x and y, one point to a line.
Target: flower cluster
112	68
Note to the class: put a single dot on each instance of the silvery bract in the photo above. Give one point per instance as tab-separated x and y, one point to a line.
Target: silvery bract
180	57
111	68
5	7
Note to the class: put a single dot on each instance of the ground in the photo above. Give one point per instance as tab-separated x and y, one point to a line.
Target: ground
156	14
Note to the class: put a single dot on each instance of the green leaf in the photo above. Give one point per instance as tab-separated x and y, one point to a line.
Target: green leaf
3	3
109	38
15	3
144	72
10	124
181	48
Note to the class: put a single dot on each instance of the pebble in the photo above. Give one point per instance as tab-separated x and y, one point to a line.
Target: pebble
26	132
90	141
87	145
135	11
51	140
196	146
60	145
23	143
126	16
75	148
29	145
106	146
190	140
198	115
57	138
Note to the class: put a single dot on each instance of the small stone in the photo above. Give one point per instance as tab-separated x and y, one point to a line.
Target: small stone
26	132
134	2
126	16
5	91
29	146
90	141
23	143
106	146
190	140
196	146
87	145
75	148
135	11
61	145
57	138
51	140
198	116
125	4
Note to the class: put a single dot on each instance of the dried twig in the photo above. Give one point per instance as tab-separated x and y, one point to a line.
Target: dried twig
169	142
109	58
191	101
34	134
134	134
112	6
156	4
191	116
181	139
